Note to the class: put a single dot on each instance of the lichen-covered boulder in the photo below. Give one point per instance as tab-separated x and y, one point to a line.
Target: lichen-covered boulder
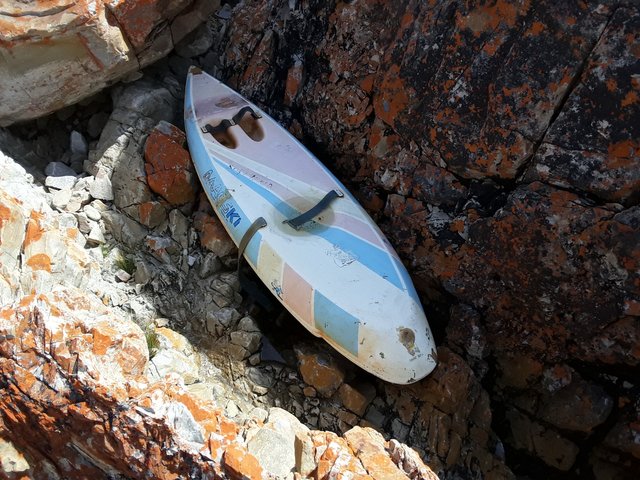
55	53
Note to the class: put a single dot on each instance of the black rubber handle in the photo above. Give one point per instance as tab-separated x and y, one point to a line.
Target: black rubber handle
303	218
225	124
238	116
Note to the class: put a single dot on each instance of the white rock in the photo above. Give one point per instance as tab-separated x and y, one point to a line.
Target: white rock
101	188
92	213
60	199
96	237
61	183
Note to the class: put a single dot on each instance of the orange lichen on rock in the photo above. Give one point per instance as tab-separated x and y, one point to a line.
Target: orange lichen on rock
170	172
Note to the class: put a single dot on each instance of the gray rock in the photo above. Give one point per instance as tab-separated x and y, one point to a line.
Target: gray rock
209	265
78	144
248	324
59	169
84	224
196	43
275	452
250	341
143	273
179	227
124	229
96	124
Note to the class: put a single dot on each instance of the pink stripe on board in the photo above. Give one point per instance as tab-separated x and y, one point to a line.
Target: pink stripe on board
359	229
297	294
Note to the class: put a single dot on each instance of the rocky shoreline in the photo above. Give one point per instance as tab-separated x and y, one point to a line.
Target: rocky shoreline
124	333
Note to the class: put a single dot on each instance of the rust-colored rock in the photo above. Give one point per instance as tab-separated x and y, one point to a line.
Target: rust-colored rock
320	370
170	172
213	236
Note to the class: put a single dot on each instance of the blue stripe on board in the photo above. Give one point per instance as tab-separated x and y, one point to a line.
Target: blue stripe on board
230	212
369	255
337	324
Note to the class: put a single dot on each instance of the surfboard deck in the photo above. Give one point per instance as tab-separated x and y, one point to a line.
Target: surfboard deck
336	273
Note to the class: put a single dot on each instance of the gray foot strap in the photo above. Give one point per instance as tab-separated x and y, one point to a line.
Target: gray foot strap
248	235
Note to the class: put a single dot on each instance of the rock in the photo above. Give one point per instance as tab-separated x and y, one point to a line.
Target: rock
213	236
241	465
78	145
92	213
96	237
179	227
274	451
356	398
61	183
170	172
250	341
122	276
409	461
124	229
101	188
320	370
80	48
58	169
12	462
547	444
592	146
369	446
151	214
580	406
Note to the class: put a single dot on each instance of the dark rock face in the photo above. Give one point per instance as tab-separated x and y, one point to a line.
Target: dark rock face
497	145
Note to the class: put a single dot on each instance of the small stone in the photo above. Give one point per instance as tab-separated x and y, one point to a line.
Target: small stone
309	391
179	227
152	213
12	462
248	324
122	276
254	359
320	370
238	352
60	183
143	273
209	265
60	199
92	213
84	224
250	341
231	410
370	447
79	145
96	237
260	414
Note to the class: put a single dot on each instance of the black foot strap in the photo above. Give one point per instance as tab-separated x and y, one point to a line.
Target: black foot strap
248	235
225	124
303	218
